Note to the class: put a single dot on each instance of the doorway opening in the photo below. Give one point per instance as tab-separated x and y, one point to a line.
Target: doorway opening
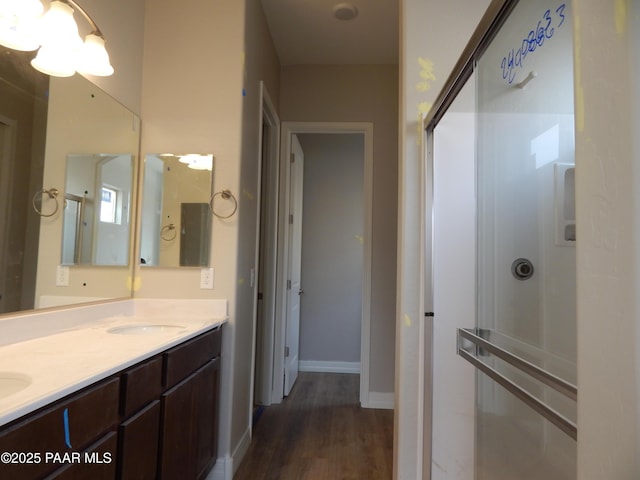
273	340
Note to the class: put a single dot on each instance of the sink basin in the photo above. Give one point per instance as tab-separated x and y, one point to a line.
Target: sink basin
145	329
13	382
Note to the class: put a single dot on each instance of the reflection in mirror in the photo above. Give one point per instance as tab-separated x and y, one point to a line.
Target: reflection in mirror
96	223
176	220
82	121
42	121
23	118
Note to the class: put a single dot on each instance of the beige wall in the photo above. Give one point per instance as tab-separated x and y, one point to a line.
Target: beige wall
191	102
361	93
201	94
260	63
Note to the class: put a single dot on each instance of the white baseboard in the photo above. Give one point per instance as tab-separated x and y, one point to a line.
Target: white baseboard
225	467
383	400
328	367
240	451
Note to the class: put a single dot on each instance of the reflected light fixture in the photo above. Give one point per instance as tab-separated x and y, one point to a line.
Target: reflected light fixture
197	161
61	51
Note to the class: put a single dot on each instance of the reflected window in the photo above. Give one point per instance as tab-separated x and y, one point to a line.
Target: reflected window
109	205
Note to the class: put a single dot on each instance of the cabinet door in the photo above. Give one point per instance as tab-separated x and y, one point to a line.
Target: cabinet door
175	433
138	450
189	425
98	462
206	394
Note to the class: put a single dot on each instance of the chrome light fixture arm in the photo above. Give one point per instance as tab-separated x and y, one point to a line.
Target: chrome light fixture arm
95	30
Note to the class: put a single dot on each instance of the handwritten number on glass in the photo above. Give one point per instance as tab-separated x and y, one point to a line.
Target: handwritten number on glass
544	30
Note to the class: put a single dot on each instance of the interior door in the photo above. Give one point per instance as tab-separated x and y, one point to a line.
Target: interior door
294	288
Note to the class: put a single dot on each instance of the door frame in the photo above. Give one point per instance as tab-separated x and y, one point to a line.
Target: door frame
262	361
288	129
7	145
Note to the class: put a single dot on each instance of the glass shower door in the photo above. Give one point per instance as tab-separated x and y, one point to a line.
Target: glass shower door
526	266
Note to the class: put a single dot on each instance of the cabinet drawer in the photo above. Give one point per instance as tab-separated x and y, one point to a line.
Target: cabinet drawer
184	359
88	414
140	385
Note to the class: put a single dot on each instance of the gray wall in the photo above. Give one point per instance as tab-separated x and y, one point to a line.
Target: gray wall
361	93
332	247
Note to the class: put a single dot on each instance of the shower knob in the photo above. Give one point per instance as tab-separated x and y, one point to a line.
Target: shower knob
522	269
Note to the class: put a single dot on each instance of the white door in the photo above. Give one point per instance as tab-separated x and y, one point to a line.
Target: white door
294	288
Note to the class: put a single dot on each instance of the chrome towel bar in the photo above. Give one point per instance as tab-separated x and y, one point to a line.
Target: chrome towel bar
532	370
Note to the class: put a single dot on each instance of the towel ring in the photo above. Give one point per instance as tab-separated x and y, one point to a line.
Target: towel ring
53	193
226	195
165	232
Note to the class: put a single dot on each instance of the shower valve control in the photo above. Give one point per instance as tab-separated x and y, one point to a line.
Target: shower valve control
522	269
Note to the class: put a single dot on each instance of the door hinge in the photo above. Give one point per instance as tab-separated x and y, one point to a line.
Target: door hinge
292	157
291	219
286	352
288	284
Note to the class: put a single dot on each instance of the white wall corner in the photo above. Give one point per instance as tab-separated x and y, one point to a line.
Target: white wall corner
222	470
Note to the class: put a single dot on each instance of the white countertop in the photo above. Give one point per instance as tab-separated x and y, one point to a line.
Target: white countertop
71	354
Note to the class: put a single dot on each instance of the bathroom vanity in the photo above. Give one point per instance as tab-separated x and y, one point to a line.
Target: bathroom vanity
131	396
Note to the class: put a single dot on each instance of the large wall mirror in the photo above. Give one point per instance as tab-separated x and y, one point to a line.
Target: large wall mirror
63	142
176	215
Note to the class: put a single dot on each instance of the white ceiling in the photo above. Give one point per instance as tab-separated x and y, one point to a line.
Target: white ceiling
305	32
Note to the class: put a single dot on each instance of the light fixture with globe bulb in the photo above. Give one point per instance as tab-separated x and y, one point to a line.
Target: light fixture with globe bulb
54	33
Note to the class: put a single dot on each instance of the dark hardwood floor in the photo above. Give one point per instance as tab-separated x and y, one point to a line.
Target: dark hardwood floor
319	432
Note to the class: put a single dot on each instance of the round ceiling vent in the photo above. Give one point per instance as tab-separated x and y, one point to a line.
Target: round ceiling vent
345	11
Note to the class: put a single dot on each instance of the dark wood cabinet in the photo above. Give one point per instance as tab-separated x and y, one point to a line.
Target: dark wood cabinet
188	443
156	419
67	427
190	424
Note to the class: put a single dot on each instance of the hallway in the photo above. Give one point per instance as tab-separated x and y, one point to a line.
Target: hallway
320	432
